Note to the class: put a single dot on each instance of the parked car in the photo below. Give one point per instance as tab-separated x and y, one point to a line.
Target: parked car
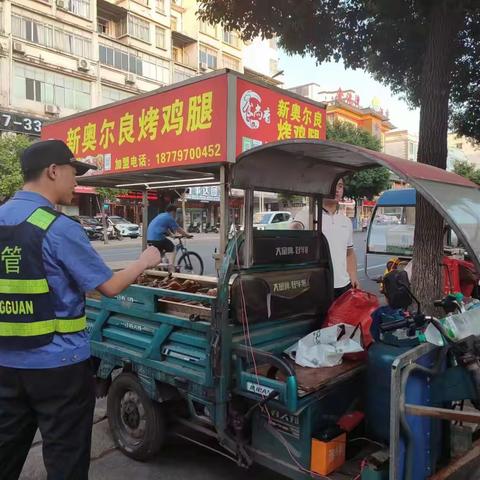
122	225
272	220
125	227
93	228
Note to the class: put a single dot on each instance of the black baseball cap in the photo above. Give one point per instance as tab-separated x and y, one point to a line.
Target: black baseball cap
48	152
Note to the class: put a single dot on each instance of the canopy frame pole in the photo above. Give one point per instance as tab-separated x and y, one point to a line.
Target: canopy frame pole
248	227
144	218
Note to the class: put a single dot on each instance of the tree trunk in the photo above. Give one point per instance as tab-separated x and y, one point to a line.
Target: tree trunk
445	22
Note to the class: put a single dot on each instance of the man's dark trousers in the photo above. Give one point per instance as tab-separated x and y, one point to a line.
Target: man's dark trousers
60	402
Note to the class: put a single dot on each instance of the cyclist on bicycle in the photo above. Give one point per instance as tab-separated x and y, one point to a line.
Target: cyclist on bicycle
161	226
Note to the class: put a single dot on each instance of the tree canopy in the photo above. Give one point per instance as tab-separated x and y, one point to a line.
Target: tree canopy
367	183
426	50
388	39
467	170
11	180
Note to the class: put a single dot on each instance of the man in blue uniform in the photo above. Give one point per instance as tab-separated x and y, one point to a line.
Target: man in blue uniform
46	266
160	227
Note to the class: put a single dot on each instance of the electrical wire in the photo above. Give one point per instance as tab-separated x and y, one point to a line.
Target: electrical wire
249	345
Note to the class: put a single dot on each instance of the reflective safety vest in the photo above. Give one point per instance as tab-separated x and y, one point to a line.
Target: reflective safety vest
27	315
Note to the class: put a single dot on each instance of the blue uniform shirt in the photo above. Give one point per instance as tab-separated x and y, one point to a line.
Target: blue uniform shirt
73	268
159	226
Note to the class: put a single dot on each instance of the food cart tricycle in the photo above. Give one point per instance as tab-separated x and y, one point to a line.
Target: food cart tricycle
203	357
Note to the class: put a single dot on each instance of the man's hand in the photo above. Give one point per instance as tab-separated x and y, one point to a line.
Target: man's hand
150	257
355	283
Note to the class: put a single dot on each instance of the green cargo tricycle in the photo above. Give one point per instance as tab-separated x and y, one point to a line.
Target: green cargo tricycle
212	364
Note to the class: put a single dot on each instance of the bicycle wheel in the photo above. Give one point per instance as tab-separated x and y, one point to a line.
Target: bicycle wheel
190	262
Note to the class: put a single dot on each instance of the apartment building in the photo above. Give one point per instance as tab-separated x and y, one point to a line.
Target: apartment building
58	57
345	106
402	144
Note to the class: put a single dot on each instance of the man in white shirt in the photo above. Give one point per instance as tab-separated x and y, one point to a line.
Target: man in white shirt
338	230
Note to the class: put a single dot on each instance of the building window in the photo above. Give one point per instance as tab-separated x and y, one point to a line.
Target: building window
132	61
208	57
231	38
180	74
135	27
160	37
459	146
32	31
47	87
410	148
174	24
51	37
231	62
110	95
102	26
272	43
208	29
177	54
78	7
160	6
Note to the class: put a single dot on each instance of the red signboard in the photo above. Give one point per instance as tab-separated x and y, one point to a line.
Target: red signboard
82	189
182	126
265	115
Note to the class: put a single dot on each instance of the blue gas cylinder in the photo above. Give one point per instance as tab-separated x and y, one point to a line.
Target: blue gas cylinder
426	432
377	408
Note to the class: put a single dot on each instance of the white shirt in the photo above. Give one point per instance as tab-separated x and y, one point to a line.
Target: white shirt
338	230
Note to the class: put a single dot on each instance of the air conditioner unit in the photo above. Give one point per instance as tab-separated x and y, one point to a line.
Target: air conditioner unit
130	79
52	109
203	66
18	47
83	65
61	4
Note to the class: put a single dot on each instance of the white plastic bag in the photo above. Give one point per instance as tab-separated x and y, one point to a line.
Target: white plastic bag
322	349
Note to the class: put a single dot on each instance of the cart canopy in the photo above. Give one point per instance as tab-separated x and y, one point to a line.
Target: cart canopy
313	167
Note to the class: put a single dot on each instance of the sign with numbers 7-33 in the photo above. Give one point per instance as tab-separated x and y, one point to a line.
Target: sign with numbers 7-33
13	122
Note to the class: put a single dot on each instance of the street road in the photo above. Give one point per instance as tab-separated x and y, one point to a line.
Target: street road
118	253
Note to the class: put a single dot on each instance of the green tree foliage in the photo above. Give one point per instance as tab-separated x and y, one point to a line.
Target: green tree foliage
426	50
110	194
11	180
467	170
367	183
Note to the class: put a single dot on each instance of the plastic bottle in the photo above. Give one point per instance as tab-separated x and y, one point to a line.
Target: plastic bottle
474	303
463	324
431	335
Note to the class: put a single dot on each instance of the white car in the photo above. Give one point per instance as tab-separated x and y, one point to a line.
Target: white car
273	221
126	228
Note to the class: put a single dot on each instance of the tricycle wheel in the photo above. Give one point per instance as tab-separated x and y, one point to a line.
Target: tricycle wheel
137	422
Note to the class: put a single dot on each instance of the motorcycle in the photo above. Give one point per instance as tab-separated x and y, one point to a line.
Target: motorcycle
113	233
193	228
211	229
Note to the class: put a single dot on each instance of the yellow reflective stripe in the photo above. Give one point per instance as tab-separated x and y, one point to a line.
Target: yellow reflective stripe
32	329
71	325
41	218
23	286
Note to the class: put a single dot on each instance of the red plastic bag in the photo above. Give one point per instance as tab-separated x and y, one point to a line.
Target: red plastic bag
354	307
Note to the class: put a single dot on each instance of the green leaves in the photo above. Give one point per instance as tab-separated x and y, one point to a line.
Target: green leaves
467	170
367	183
110	194
11	180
